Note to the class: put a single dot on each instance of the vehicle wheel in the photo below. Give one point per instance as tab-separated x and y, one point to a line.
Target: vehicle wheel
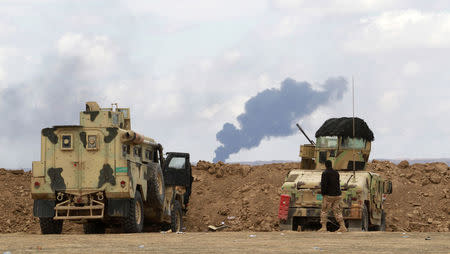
134	221
155	189
382	226
94	227
362	224
365	219
177	217
50	226
383	221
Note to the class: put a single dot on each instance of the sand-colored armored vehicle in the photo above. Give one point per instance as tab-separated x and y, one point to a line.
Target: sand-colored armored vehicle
103	174
347	143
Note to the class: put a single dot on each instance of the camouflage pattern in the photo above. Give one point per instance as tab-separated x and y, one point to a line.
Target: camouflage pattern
332	203
360	189
86	169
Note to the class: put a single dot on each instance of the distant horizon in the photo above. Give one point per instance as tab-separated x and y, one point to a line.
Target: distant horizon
396	161
263	162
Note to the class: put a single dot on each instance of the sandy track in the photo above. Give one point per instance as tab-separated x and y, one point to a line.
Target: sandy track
229	242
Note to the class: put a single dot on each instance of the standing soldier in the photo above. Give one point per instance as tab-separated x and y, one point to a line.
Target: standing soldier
331	192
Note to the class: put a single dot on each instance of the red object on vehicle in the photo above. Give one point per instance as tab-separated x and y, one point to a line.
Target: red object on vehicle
284	207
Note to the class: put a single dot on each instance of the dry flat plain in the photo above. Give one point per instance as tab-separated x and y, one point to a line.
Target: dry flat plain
229	242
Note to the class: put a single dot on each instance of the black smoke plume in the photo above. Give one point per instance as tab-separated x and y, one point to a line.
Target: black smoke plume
272	113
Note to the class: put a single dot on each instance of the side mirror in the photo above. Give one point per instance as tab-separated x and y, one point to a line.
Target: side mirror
387	187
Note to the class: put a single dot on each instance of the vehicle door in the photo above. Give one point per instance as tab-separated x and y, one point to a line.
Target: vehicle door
177	170
376	190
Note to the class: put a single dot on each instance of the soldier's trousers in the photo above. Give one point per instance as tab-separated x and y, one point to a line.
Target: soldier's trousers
331	203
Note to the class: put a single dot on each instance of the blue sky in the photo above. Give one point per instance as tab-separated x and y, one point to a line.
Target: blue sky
187	67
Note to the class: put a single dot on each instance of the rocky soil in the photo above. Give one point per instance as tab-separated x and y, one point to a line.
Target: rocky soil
245	198
421	197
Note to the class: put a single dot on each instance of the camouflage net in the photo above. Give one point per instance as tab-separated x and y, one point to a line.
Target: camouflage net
343	127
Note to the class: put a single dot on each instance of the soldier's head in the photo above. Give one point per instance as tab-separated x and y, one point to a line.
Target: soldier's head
328	164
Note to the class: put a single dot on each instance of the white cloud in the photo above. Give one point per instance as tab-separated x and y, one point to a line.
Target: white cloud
330	7
196	10
287	26
2	76
216	70
411	68
7	30
97	53
390	100
232	56
402	29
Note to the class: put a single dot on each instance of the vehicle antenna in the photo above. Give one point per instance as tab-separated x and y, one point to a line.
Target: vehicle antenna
353	100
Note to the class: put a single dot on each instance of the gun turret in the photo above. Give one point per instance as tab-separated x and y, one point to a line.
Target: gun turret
310	141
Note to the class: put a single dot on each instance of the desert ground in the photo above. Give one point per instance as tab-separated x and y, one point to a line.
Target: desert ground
229	242
245	198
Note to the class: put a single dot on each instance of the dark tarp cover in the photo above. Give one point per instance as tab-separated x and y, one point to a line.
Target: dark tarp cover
343	127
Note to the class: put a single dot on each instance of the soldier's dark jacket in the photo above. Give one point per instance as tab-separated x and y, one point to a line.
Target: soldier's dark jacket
330	184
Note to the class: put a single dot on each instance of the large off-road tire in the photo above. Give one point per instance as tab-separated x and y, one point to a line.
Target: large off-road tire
362	224
134	221
382	226
383	221
94	227
50	226
365	219
176	223
156	190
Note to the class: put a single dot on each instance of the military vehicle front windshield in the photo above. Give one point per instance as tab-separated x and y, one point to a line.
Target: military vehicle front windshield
353	143
327	142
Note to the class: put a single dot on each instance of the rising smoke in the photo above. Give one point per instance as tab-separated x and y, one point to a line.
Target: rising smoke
272	112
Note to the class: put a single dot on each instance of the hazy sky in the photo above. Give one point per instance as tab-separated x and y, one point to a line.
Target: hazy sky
188	67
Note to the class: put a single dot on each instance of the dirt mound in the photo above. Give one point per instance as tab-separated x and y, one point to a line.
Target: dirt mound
421	196
16	205
246	197
243	197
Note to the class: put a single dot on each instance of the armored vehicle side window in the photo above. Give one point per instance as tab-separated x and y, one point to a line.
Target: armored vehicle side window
155	156
115	118
327	142
148	154
177	163
355	143
137	151
125	150
124	111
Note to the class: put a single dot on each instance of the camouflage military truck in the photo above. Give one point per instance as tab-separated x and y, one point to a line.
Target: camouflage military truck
103	174
363	192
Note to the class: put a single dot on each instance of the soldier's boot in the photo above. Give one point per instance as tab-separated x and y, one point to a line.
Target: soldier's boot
323	221
342	227
323	228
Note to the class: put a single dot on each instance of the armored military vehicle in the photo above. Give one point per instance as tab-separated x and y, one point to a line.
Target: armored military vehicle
103	174
347	143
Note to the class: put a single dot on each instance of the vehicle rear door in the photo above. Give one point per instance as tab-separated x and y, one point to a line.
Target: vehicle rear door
177	170
97	159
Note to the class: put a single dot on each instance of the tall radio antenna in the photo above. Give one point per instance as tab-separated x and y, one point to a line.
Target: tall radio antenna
353	100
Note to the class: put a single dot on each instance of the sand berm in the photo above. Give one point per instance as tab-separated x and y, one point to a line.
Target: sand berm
246	197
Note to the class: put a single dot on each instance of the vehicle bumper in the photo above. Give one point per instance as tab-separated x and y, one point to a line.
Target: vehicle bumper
354	212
